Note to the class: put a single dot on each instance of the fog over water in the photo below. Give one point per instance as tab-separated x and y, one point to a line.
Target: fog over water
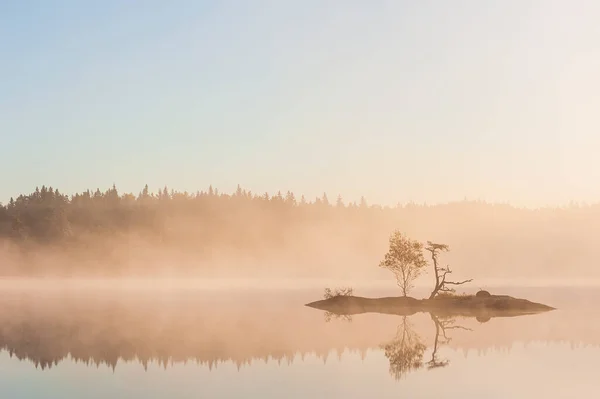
224	342
188	295
209	199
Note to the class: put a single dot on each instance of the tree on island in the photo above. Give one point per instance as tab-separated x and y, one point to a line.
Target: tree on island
441	284
405	259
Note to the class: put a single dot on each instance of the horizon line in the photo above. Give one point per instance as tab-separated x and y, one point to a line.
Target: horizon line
572	204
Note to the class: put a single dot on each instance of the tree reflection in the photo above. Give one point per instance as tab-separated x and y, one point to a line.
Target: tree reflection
442	324
405	352
167	329
336	316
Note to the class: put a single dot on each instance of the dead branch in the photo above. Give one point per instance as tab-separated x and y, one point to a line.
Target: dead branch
440	275
458	282
458	328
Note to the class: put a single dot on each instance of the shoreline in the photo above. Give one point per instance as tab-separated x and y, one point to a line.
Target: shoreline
466	305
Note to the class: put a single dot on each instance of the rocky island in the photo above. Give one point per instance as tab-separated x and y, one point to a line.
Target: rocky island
481	307
406	260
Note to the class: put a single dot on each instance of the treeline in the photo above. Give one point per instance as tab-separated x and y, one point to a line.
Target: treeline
49	216
153	227
108	232
202	220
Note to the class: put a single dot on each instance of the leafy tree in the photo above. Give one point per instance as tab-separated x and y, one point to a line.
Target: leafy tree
405	259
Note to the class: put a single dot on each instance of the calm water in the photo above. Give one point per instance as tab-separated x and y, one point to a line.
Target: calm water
266	344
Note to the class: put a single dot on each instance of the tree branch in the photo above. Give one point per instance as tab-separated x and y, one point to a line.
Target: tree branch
457	328
458	282
443	280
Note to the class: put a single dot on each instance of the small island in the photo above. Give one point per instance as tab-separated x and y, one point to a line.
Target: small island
405	259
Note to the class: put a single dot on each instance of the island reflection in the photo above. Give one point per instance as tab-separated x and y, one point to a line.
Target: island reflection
210	329
406	350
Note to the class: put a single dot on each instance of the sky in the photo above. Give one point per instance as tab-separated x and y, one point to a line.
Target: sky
425	101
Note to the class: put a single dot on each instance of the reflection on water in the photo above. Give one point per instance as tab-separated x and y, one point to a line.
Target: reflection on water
255	332
405	351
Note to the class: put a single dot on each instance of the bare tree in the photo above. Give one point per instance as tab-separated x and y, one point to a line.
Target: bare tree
441	284
405	259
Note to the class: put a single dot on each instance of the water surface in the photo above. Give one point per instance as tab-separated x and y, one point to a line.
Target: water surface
265	344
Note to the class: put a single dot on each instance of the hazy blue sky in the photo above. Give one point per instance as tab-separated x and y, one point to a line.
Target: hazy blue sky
397	100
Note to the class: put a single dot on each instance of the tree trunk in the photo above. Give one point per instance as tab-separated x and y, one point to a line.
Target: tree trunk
437	277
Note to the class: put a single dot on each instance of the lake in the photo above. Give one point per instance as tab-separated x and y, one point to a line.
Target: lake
264	343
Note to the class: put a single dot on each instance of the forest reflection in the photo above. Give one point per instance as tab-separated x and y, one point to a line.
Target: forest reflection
211	329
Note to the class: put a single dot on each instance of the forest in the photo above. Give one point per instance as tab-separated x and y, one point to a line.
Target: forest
213	233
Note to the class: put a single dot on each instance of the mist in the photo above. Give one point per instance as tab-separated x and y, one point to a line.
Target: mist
241	238
178	283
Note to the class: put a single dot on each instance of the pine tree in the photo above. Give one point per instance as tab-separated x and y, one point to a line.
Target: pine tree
290	199
363	202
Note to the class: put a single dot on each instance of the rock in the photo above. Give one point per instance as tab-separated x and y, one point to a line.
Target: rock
483	294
